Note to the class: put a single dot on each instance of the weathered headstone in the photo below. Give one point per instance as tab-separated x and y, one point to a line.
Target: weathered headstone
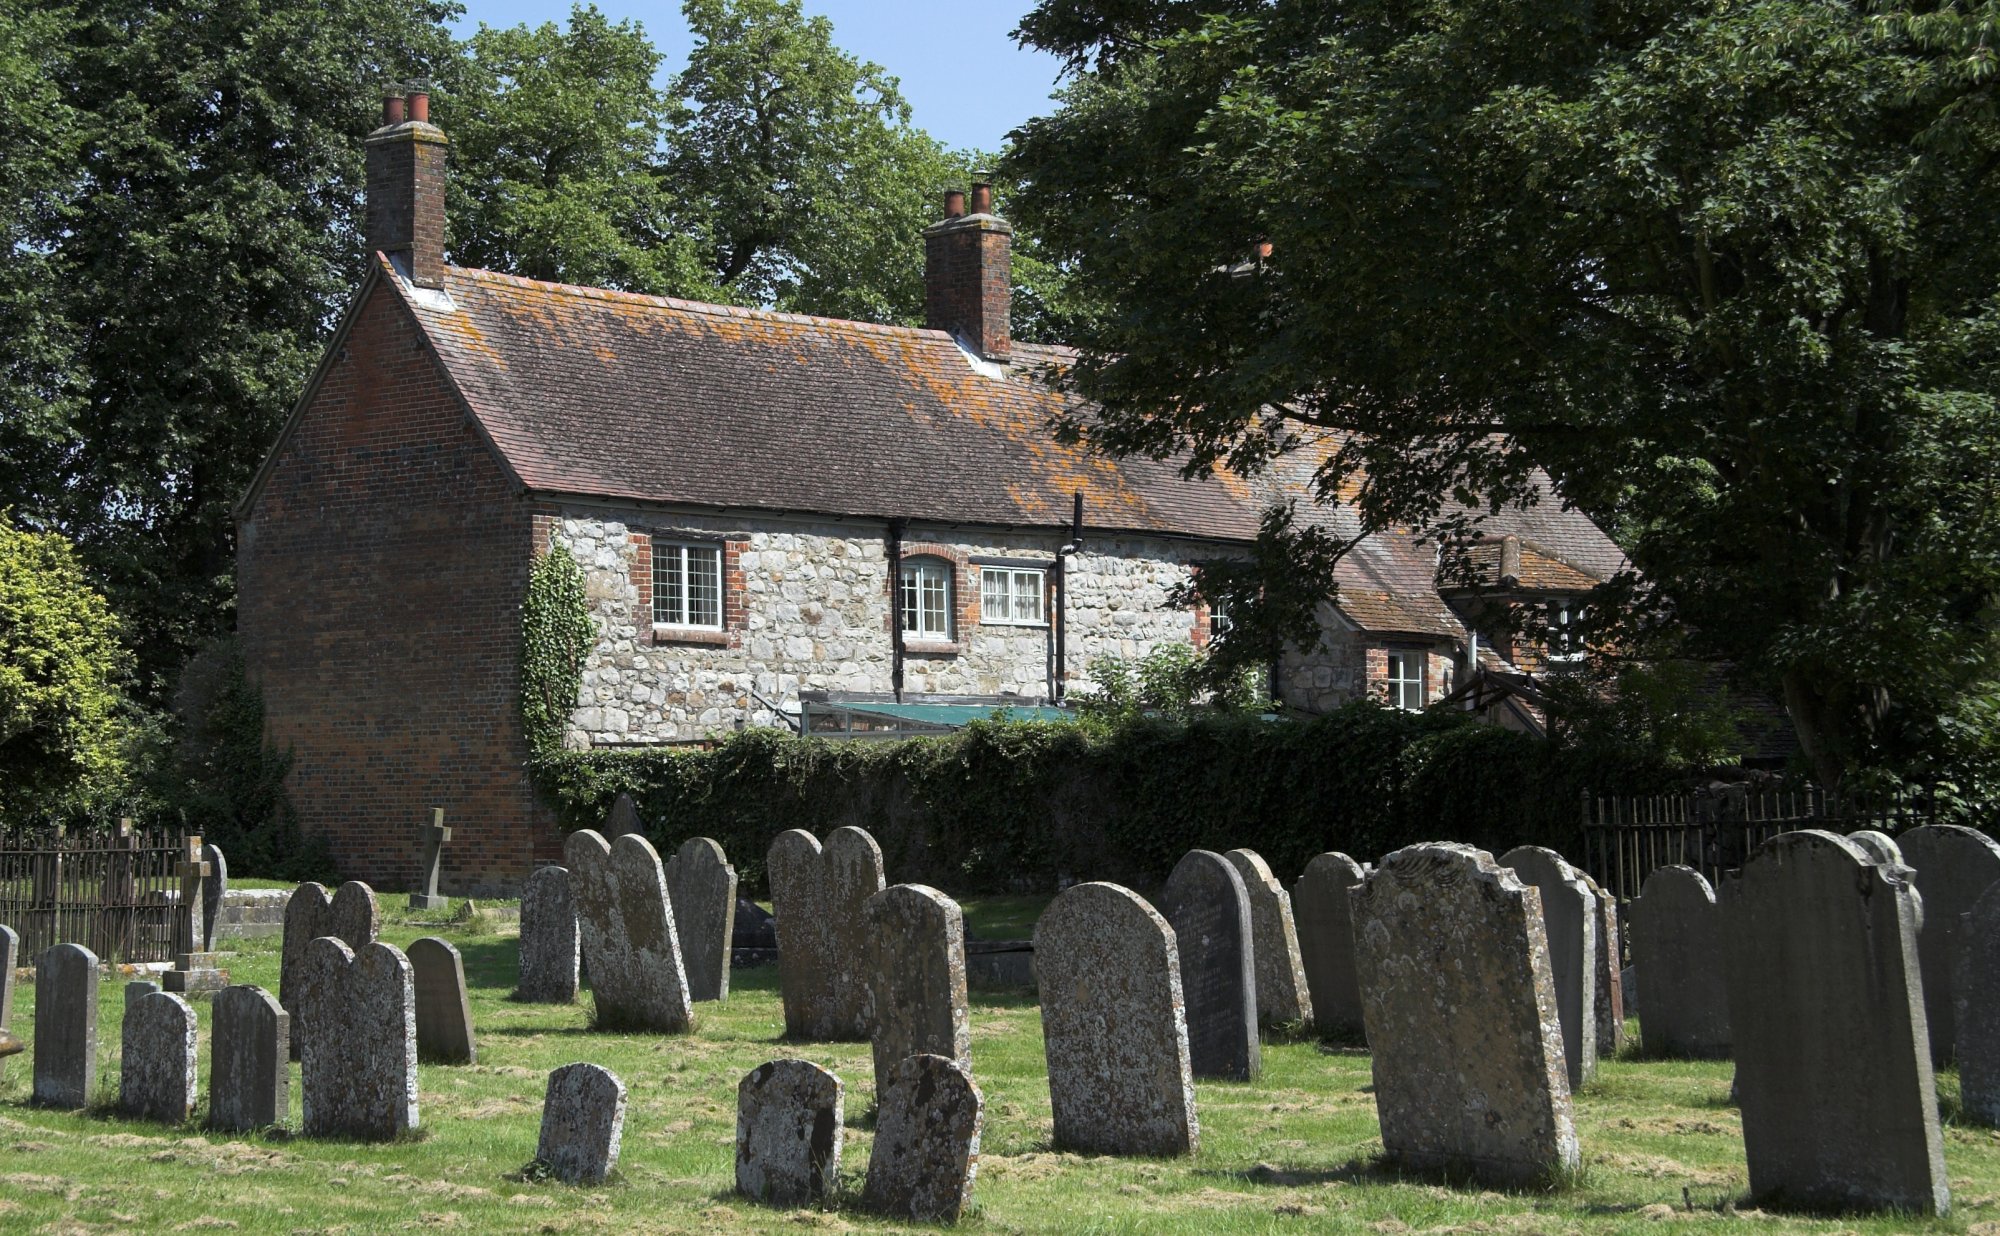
10	958
1461	1009
65	1027
194	966
1210	911
212	890
549	948
583	1120
431	838
354	917
1569	921
1113	1026
926	1148
1282	994
788	1133
817	895
918	938
1326	941
1879	846
156	1065
249	1078
349	916
1954	867
1826	1014
1677	945
444	1012
1608	1011
357	1026
139	989
701	886
636	977
623	819
1977	989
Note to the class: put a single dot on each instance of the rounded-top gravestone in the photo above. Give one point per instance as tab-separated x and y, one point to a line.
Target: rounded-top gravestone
918	937
1569	920
1210	911
1326	941
627	928
818	894
1954	867
1282	995
1677	945
1977	987
583	1122
66	1027
549	943
701	886
788	1133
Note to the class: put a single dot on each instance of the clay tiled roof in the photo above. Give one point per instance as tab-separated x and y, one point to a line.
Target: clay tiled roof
1540	571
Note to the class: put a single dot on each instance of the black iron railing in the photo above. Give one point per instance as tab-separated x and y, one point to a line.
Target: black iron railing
115	892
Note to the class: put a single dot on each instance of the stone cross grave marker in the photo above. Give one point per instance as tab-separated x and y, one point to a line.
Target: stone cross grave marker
1608	1009
65	1027
1569	921
549	947
926	1150
788	1133
1210	911
350	916
1677	946
1114	1027
156	1065
1976	987
918	937
818	895
444	1011
629	944
10	958
357	1025
583	1121
1282	994
1326	941
194	966
1954	866
1461	1012
432	836
249	1078
701	887
213	888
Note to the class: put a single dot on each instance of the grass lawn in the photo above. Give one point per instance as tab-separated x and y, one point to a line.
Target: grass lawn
1291	1153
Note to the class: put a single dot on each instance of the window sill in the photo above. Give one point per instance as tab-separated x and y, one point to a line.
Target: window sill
1017	626
932	647
690	635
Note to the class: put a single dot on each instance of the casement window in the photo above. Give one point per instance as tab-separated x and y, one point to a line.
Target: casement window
1565	619
925	598
687	585
1406	680
1012	596
1219	620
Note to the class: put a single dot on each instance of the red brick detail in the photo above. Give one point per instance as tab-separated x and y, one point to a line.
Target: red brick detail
968	268
1204	627
735	591
642	583
406	170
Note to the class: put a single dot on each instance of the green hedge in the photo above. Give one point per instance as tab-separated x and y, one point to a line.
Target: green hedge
1022	806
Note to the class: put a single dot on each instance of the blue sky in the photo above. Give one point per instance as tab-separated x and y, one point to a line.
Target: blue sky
966	80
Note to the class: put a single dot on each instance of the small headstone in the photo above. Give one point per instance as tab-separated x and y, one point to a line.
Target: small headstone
357	1026
1879	846
431	838
139	989
444	1012
817	896
1210	911
624	818
701	887
1113	1026
1282	995
1569	920
1954	868
788	1133
926	1148
66	1027
1826	1011
156	1067
918	938
1461	1011
583	1120
212	890
1609	982
1677	945
10	958
629	944
1326	941
249	1078
1977	987
549	948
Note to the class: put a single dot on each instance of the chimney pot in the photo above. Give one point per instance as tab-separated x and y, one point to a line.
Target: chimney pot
968	266
420	106
982	198
954	203
392	109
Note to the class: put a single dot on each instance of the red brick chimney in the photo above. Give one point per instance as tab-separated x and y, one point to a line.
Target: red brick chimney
968	259
406	188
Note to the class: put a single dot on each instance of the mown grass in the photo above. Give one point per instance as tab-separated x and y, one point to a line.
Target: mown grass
1293	1152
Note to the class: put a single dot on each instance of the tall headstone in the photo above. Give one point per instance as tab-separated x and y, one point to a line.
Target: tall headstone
623	819
818	895
194	966
65	1027
1113	1025
701	887
249	1076
549	948
444	1011
1677	945
1282	994
156	1065
917	935
1461	1010
1976	987
212	890
1609	980
1569	921
1326	941
10	959
788	1133
926	1148
636	977
1210	911
1826	1014
357	1026
350	916
583	1121
1954	868
431	840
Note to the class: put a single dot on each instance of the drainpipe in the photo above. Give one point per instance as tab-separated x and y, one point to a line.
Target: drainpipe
893	544
1062	596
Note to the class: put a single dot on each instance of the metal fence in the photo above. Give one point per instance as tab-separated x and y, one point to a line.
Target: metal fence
114	892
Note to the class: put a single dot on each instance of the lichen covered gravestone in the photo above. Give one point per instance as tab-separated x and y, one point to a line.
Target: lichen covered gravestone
926	1150
65	1027
788	1133
249	1080
1113	1026
156	1064
357	1026
629	944
1677	945
1954	867
1282	994
1462	1025
918	938
1326	941
823	956
1210	911
1609	981
350	916
549	941
583	1121
701	887
1569	920
444	1011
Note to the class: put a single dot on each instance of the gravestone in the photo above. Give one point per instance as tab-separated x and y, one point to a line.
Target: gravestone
1677	945
627	929
156	1065
1954	868
10	959
1879	846
1461	1011
212	890
926	1148
1114	1029
549	948
249	1078
1282	995
1210	911
444	1013
788	1133
1609	981
139	989
431	838
194	966
1569	921
1326	941
918	938
1976	987
65	1027
357	1026
1826	1014
823	958
349	916
701	887
623	819
583	1120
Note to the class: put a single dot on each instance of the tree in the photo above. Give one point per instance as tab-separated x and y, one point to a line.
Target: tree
1727	271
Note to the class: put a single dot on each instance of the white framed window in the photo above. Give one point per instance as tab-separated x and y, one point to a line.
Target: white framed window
1012	596
925	598
1219	620
1406	680
687	585
1565	638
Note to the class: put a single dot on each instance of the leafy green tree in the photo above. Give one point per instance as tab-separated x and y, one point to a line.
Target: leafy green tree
1726	271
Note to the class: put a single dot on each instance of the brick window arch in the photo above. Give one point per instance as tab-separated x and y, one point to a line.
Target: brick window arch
935	597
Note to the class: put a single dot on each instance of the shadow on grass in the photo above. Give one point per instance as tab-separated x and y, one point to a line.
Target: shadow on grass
1386	1169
